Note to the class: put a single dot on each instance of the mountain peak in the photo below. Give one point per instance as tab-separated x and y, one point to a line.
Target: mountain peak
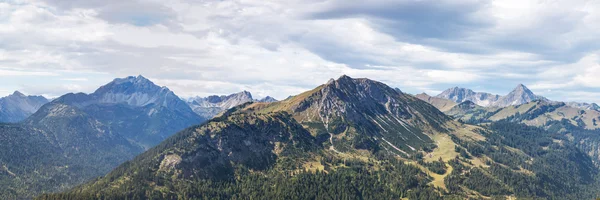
17	93
268	99
134	91
344	77
17	106
521	87
133	79
520	95
521	90
377	112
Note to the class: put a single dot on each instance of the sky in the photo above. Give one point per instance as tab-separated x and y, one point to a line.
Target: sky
281	48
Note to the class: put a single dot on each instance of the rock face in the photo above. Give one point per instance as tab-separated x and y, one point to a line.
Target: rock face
460	95
17	106
362	114
136	108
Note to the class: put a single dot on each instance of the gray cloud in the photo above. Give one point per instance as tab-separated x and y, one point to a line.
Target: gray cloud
135	12
409	19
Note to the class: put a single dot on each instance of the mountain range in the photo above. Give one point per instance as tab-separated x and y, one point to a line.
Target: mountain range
351	139
210	106
136	108
17	106
579	120
462	104
520	95
81	136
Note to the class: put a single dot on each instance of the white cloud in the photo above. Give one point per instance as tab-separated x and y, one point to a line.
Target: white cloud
282	48
9	72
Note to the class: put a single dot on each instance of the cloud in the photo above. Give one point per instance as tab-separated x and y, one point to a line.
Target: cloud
413	19
10	72
135	12
281	48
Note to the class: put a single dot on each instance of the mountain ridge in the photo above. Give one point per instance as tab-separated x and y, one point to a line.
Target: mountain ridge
210	106
136	108
357	135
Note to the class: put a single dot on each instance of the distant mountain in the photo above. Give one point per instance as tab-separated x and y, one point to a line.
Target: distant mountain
460	95
267	99
349	139
17	106
519	95
137	109
77	137
584	106
210	106
440	103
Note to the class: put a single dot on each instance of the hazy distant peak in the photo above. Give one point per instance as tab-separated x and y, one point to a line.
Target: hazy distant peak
17	93
268	99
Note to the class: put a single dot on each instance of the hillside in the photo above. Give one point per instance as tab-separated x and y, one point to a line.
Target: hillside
362	114
351	139
440	103
55	149
82	136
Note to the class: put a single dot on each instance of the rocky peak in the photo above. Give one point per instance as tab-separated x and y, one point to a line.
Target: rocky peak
457	94
18	94
522	89
363	108
17	106
520	95
244	95
134	91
